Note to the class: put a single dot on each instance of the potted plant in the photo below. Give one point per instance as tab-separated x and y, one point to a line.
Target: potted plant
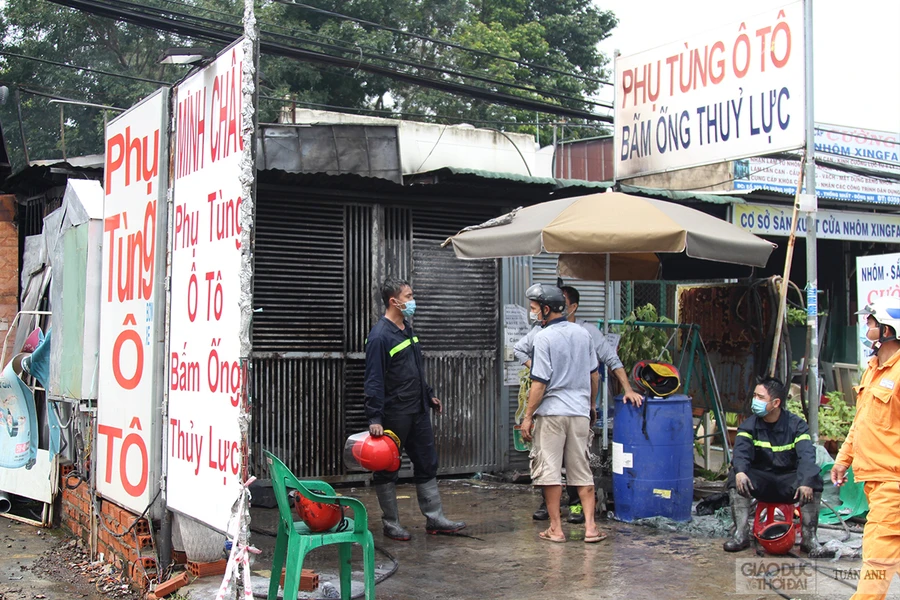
835	419
732	420
643	342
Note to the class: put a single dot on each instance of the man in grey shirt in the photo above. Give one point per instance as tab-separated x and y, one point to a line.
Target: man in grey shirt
606	355
564	381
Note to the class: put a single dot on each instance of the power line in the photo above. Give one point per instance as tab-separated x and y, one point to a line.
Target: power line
238	31
352	47
78	68
58	97
391	113
356	48
119	11
443	42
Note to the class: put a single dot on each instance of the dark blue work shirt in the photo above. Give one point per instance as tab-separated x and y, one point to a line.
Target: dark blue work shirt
395	372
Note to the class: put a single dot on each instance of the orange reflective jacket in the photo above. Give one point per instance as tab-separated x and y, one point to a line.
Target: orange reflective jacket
873	443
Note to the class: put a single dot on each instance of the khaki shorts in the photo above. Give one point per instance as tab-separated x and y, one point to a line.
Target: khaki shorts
558	439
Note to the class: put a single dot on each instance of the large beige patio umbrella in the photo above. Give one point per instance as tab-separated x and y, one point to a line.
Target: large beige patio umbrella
640	238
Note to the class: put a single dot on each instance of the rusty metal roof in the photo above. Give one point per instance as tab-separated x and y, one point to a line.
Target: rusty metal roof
446	173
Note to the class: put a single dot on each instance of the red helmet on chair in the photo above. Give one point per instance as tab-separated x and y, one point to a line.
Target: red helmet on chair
318	516
778	538
365	452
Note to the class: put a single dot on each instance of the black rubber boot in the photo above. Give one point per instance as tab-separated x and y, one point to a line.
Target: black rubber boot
809	523
740	512
541	513
430	505
390	518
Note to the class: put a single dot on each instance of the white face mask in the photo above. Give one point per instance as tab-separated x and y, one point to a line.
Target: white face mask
533	317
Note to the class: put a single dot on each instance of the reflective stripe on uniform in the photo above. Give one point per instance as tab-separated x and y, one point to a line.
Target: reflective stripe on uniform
759	444
403	345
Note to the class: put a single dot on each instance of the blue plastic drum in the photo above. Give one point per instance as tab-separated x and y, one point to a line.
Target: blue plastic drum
653	459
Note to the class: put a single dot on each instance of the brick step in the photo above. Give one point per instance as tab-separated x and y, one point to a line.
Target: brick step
206	569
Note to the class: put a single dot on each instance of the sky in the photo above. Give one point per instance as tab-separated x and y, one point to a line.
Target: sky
856	48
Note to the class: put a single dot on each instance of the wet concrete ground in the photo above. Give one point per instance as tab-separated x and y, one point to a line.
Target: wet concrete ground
500	557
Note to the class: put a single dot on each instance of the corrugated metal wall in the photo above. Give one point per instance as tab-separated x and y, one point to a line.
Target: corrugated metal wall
516	279
318	267
457	323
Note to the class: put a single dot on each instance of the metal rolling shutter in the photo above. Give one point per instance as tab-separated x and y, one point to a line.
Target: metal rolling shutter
312	282
299	274
456	319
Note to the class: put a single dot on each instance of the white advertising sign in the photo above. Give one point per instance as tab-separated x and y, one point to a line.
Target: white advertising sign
132	304
763	219
851	146
876	276
205	373
733	92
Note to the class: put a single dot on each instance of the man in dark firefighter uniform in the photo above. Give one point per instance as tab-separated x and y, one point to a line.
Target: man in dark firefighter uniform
774	461
399	399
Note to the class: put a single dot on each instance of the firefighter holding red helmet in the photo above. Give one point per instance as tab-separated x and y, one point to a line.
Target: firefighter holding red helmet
399	399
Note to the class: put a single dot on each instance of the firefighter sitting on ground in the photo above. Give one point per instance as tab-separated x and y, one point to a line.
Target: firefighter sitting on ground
774	461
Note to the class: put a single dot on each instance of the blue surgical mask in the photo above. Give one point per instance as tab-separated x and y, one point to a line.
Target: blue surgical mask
759	407
409	309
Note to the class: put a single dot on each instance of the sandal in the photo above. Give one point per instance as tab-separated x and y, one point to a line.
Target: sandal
595	538
546	535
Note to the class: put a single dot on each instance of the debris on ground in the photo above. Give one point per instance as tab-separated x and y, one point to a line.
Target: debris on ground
70	562
716	525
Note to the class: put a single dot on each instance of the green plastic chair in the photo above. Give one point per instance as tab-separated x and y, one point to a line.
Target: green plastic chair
295	539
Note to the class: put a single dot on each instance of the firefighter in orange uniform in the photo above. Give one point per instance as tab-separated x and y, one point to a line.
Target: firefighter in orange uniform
872	447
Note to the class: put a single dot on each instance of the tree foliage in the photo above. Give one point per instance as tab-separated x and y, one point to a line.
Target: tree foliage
559	34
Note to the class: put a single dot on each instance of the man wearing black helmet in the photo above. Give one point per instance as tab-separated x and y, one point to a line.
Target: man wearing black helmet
564	378
399	399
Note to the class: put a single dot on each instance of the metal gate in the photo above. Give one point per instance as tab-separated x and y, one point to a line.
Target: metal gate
318	267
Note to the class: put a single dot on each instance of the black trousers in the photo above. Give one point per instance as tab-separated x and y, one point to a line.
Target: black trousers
417	441
773	487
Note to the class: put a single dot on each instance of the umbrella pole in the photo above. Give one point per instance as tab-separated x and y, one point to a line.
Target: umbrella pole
607	306
789	255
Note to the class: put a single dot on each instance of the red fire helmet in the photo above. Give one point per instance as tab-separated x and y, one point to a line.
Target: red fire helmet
778	538
318	516
370	453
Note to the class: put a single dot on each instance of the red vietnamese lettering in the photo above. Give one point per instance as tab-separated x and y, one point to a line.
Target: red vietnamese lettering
186	445
133	439
785	30
131	256
742	40
187	227
110	225
128	335
190	134
149	234
112	434
136	153
185	374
